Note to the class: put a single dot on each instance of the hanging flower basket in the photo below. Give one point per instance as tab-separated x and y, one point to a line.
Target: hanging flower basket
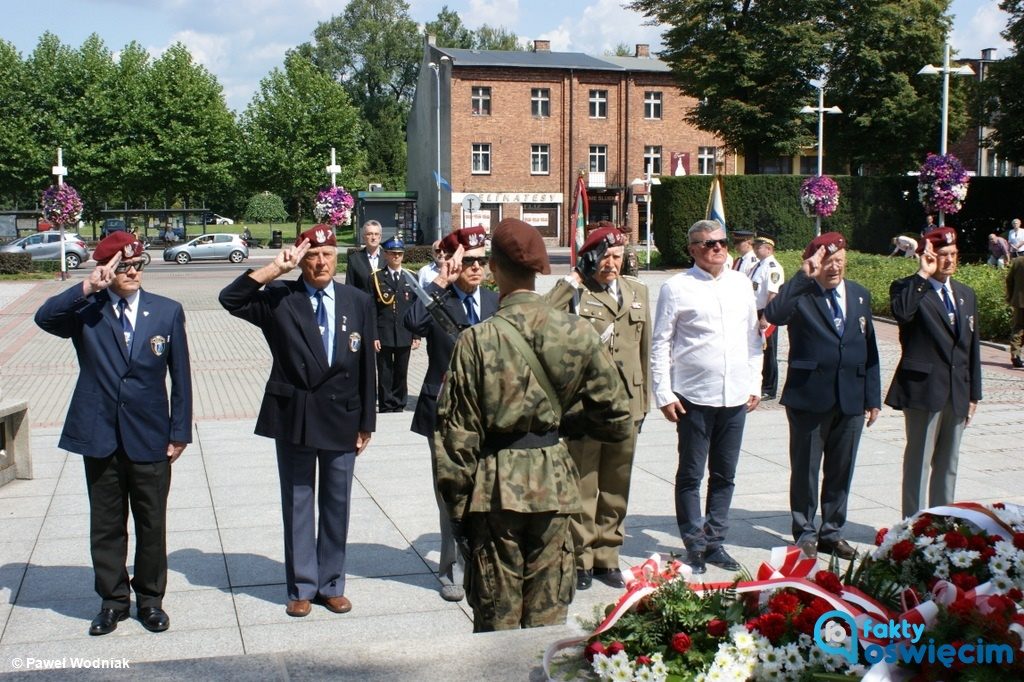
61	205
333	206
942	183
819	196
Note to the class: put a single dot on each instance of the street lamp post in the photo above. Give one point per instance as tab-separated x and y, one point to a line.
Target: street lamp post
437	115
821	110
945	71
647	181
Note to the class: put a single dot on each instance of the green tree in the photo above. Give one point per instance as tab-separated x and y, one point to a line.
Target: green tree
289	128
621	50
500	38
265	208
16	134
449	30
1004	89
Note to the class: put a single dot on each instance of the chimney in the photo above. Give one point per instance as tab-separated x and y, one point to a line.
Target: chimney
643	50
542	46
988	54
431	39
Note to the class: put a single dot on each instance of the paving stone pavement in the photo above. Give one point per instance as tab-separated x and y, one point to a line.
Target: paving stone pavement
226	589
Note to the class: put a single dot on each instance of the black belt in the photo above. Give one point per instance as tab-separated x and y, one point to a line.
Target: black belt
520	440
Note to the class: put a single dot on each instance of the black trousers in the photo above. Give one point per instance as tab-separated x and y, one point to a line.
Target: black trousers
115	484
770	365
392	373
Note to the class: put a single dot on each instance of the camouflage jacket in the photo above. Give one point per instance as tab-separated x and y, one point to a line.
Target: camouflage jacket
490	390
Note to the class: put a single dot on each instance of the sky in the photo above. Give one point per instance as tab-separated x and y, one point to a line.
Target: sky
240	42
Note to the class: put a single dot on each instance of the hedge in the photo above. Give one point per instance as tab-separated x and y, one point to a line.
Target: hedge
877	273
872	210
15	263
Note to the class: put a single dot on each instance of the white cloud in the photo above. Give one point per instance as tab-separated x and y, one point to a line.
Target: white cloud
600	27
494	13
980	31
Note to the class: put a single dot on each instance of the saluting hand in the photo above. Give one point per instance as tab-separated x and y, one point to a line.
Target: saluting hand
929	263
102	276
812	265
290	256
450	268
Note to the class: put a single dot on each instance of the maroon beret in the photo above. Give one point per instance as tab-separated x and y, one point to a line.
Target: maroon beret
832	241
939	237
318	235
522	244
122	241
610	234
468	237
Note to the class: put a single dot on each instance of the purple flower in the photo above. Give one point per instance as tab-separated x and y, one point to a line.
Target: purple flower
333	206
819	196
61	205
942	183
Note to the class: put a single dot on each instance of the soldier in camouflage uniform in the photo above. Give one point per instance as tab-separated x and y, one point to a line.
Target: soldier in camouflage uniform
619	310
506	478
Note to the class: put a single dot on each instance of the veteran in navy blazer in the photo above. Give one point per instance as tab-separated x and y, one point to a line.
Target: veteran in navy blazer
318	405
121	418
832	387
362	263
937	383
461	273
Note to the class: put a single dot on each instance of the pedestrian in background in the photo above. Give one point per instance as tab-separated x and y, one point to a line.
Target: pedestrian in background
1015	299
767	278
362	263
128	343
394	297
318	405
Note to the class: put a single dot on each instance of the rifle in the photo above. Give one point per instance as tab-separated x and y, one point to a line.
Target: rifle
435	306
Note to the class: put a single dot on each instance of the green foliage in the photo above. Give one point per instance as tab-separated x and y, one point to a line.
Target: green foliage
15	263
500	38
265	208
449	30
1003	89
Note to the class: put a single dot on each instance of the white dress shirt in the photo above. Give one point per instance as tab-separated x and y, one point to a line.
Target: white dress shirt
706	345
131	306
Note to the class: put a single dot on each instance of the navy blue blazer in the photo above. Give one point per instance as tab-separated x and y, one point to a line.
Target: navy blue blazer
940	361
390	329
122	397
439	348
306	402
357	271
827	371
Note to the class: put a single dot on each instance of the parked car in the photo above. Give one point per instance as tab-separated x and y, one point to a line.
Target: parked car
112	225
46	246
209	218
209	247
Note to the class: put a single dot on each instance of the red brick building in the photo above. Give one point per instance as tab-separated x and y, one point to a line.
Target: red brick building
516	129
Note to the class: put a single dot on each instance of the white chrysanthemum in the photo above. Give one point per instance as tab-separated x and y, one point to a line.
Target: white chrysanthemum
658	668
942	571
933	554
602	665
744	641
643	674
621	675
804	640
923	541
1002	583
814	656
769	669
620	661
1005	550
769	655
1018	563
963	558
999	565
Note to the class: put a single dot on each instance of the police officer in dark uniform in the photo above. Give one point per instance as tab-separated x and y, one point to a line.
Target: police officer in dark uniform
394	296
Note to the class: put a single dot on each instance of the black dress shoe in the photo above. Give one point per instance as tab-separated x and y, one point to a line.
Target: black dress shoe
612	577
106	621
841	549
584	579
1017	363
154	619
719	557
695	560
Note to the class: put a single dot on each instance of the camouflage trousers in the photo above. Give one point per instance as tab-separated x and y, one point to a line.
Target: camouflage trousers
521	572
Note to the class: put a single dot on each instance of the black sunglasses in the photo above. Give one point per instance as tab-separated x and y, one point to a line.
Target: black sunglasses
711	243
470	261
124	267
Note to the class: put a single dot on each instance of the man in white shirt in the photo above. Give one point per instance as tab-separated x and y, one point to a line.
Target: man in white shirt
1016	237
429	272
706	374
746	259
904	245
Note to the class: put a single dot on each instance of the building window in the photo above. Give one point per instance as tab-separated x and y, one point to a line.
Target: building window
598	104
481	159
481	99
706	160
652	105
652	160
539	156
598	158
540	102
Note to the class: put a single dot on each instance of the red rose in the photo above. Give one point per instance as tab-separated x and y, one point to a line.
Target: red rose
643	660
593	649
830	581
1015	594
805	620
784	602
681	642
931	532
902	550
955	540
880	536
965	581
978	543
921	525
987	553
772	626
962	608
1018	540
717	627
751	624
615	647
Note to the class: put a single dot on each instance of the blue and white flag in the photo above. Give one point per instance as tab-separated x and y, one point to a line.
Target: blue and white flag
716	209
441	182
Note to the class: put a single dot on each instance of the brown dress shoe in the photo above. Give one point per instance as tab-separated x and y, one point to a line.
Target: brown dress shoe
339	604
297	608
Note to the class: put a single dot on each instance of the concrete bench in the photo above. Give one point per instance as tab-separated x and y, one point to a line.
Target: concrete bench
15	456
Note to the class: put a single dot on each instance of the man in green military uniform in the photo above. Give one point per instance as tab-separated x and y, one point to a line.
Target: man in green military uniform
619	310
515	381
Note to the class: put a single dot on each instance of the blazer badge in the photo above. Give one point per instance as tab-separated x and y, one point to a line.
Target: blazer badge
354	341
970	322
158	344
863	325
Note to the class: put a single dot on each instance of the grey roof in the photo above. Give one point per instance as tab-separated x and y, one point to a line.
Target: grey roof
527	59
639	64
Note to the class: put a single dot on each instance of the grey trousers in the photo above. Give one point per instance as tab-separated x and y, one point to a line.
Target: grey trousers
930	458
451	567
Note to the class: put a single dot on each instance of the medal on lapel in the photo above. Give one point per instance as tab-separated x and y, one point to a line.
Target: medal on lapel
344	323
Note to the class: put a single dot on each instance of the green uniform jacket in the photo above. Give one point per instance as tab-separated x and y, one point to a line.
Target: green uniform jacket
629	341
490	389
